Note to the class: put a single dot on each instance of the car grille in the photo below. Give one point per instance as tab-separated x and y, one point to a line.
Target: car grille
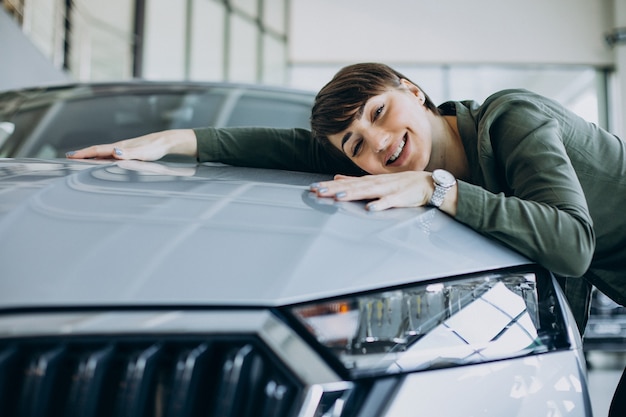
143	376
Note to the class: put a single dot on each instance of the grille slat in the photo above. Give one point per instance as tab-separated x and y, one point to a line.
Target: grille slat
232	399
42	383
88	382
9	365
138	383
191	370
119	376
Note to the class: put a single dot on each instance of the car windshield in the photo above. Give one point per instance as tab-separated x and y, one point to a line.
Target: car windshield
48	128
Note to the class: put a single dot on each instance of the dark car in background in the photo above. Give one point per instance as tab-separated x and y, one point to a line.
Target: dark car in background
47	122
606	328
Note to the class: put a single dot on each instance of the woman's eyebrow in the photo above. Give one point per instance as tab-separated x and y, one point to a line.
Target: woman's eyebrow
357	116
345	138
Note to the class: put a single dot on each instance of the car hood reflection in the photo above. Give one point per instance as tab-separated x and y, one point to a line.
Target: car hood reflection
135	233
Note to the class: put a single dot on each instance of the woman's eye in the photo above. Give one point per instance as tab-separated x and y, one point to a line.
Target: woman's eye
378	111
357	148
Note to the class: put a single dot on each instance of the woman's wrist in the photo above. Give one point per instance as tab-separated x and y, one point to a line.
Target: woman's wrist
449	204
181	142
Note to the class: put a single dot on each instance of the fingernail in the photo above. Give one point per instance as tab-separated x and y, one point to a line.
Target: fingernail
314	186
322	190
370	207
118	151
70	153
341	194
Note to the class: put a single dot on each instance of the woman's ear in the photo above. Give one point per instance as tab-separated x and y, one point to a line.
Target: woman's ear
415	90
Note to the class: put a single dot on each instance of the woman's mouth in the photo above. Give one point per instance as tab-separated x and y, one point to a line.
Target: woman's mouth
397	152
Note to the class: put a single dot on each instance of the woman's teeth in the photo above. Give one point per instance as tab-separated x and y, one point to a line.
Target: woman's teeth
397	153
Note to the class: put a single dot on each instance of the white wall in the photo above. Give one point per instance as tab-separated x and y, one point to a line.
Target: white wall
22	64
454	31
438	44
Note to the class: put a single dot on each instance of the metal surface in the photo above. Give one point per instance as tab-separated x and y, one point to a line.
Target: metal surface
140	233
516	387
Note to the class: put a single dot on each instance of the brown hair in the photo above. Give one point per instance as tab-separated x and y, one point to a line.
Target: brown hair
341	101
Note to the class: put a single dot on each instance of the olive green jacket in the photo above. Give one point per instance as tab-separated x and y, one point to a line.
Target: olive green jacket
543	181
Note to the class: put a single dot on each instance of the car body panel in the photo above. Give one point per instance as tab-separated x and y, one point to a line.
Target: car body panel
210	235
531	386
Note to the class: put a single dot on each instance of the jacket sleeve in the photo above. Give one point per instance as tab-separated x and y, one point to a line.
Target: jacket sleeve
288	149
539	208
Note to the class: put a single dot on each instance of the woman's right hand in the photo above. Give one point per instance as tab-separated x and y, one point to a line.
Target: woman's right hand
150	147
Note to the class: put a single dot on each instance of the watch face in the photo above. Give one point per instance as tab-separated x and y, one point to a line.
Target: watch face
443	178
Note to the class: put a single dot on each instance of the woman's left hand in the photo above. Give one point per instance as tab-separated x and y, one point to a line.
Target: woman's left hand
402	189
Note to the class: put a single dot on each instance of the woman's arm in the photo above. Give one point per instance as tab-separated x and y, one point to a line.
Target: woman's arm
290	149
539	207
149	147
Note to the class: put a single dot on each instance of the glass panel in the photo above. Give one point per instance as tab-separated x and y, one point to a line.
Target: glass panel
249	7
274	15
243	50
433	325
164	41
207	45
258	110
43	22
51	131
575	88
274	60
101	40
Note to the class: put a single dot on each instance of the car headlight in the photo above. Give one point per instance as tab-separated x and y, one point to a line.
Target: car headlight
439	324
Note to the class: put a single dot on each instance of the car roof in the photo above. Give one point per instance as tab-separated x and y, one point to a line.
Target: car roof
132	233
50	93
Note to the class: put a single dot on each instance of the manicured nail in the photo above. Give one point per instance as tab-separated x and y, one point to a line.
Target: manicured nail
370	207
314	186
118	151
70	153
341	194
322	190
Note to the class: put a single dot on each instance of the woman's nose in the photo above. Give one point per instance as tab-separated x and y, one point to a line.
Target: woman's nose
377	138
380	141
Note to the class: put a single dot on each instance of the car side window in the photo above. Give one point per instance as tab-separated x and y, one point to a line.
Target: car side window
256	110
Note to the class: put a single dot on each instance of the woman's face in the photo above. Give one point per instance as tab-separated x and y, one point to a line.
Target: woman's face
392	135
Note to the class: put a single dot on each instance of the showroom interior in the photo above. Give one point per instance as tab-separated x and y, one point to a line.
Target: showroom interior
573	51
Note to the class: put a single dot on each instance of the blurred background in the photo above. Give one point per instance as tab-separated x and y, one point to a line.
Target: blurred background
571	50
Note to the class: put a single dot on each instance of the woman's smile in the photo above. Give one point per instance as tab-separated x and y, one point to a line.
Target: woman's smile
395	157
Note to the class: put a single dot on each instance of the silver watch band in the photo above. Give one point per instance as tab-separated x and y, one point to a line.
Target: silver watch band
437	198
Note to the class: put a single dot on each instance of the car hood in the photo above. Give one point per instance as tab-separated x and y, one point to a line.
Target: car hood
133	233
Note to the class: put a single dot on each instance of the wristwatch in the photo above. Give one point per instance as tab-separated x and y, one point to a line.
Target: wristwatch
443	181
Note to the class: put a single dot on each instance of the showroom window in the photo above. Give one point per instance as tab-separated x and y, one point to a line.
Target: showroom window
228	40
582	89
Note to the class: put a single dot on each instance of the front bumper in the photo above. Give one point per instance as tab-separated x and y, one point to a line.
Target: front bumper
254	364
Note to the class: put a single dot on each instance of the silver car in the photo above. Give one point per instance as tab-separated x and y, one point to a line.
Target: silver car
175	289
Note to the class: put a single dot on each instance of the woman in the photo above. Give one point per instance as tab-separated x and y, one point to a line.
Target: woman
519	168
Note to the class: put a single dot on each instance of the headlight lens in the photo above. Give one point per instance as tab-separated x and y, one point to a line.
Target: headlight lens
438	324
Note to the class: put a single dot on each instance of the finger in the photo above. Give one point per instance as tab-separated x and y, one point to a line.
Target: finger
340	177
351	193
96	151
149	152
376	205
